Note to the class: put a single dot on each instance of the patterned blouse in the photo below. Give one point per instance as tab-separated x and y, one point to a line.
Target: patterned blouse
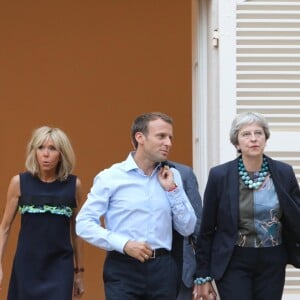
260	215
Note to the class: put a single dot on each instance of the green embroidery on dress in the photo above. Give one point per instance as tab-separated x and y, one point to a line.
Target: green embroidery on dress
33	209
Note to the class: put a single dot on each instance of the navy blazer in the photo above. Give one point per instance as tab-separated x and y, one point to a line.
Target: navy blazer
220	217
182	248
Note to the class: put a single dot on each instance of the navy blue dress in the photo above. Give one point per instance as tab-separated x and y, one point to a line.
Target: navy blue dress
43	263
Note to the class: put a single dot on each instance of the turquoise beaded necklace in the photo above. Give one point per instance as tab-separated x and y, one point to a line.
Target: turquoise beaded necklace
259	177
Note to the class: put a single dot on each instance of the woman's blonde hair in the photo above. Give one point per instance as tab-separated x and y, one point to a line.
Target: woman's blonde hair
62	144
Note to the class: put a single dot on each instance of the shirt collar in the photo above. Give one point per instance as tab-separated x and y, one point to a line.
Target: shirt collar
130	163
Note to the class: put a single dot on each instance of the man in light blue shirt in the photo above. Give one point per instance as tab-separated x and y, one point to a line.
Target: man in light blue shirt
141	203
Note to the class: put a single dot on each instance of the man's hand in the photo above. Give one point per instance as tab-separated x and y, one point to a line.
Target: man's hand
139	250
166	178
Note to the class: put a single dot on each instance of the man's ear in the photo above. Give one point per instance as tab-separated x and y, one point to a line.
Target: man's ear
139	137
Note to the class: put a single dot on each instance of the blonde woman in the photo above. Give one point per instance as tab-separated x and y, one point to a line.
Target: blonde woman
47	196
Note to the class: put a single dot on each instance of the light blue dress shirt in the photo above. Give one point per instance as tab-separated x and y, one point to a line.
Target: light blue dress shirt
135	207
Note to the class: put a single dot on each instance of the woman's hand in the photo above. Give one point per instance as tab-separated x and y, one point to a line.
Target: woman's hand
204	291
78	289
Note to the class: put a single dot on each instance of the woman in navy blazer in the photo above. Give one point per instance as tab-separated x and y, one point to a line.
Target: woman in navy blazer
250	220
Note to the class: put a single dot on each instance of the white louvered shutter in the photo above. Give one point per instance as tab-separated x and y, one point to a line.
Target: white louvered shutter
268	81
